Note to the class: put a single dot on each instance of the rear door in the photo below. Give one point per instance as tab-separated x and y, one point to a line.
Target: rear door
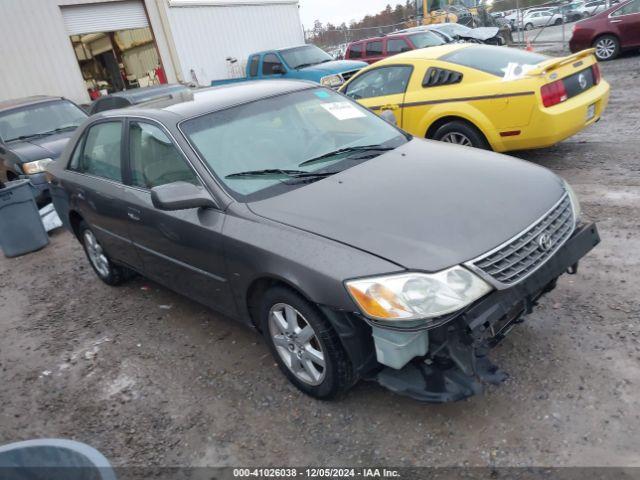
382	89
181	249
627	22
96	188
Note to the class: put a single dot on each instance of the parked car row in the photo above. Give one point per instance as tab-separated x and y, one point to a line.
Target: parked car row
263	200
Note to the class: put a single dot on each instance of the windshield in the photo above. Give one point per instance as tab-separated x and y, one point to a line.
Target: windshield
426	39
305	56
454	29
276	140
40	119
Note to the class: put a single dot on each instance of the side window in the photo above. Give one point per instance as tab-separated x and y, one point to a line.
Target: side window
154	159
397	45
101	154
380	82
374	49
253	68
355	51
270	61
633	7
74	163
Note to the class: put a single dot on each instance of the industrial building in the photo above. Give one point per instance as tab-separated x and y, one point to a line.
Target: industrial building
80	49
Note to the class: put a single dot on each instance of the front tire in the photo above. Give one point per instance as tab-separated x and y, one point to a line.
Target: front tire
607	47
304	344
105	269
528	26
461	133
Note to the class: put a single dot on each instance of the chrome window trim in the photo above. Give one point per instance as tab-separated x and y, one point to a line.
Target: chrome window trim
502	286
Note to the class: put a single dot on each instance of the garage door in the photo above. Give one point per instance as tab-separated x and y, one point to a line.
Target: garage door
104	17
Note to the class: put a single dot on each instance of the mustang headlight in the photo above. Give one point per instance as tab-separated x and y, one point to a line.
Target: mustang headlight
415	296
37	166
575	202
331	81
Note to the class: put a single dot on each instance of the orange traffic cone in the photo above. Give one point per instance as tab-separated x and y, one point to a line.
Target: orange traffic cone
529	47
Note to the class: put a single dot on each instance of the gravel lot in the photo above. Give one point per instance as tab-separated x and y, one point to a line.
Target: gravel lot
150	378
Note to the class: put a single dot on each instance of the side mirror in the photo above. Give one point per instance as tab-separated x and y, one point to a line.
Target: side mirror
180	196
278	69
389	117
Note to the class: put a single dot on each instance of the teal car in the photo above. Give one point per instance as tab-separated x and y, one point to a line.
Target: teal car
306	62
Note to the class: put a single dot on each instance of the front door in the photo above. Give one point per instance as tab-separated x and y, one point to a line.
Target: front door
382	89
627	20
181	249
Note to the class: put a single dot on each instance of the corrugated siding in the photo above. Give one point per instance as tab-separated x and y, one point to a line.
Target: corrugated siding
36	55
206	35
104	17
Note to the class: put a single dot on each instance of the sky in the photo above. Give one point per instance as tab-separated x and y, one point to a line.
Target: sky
338	11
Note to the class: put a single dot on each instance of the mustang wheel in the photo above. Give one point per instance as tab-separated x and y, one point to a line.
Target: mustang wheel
107	272
607	47
461	133
305	346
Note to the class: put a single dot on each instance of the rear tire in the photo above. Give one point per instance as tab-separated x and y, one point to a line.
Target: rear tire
304	344
105	269
461	133
607	47
558	21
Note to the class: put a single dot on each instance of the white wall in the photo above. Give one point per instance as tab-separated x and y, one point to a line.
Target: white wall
205	33
36	55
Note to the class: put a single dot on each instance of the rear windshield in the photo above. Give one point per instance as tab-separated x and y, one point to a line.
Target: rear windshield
499	61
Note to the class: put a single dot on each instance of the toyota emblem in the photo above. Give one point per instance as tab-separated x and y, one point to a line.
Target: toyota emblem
544	242
582	80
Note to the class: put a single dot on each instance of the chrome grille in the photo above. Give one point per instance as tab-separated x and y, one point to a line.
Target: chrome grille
522	255
348	75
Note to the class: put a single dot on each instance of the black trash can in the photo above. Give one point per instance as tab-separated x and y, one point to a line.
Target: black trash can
21	230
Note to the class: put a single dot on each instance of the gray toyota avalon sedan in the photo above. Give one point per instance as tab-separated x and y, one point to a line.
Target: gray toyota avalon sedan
358	251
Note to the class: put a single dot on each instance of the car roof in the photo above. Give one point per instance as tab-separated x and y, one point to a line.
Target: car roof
25	101
198	102
431	53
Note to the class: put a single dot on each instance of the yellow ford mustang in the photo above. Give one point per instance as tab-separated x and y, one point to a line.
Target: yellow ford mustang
485	96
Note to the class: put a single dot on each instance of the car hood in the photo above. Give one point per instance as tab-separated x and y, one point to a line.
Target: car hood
336	66
43	147
424	206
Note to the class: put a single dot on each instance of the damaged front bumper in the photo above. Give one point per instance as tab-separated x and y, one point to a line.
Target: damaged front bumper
456	365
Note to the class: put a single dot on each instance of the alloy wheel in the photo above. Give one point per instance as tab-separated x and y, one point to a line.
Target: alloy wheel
605	48
297	344
457	138
96	255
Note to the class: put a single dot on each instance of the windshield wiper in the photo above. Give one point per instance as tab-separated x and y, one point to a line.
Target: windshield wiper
304	65
46	134
279	172
361	148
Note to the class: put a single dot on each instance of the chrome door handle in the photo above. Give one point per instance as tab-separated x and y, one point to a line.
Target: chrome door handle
133	214
615	21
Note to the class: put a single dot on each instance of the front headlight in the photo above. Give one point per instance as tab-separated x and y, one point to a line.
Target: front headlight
37	166
415	296
331	81
575	202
